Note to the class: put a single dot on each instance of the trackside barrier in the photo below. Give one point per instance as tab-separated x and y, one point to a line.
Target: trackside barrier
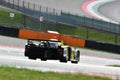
28	34
8	31
73	41
102	46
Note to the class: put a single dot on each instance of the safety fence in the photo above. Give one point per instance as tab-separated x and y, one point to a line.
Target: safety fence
59	16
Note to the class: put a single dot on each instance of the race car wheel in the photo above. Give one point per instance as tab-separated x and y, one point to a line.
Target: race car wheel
78	55
43	59
31	57
69	53
74	62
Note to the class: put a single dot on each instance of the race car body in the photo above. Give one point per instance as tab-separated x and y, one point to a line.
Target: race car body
49	49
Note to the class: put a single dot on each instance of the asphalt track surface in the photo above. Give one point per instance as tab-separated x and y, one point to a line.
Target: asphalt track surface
111	10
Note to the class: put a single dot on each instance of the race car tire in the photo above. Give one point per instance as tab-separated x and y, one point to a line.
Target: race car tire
25	53
43	59
69	54
31	57
75	62
78	55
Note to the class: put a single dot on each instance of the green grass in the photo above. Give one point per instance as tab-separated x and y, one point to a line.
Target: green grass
10	73
31	23
7	20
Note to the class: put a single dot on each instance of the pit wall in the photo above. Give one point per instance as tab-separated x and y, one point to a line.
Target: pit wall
69	40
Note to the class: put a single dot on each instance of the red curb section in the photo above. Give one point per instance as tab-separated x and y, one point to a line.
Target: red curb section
84	7
15	47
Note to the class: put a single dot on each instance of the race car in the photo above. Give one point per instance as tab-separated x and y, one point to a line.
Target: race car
51	49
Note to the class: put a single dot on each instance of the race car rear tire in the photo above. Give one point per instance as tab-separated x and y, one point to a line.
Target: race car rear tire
31	57
76	62
43	59
69	53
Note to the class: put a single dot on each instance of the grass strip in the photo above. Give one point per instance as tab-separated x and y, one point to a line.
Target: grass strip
10	73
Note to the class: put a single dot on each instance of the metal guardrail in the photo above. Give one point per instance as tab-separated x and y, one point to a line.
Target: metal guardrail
54	15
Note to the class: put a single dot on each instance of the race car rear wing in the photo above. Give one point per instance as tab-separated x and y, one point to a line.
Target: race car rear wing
52	40
38	40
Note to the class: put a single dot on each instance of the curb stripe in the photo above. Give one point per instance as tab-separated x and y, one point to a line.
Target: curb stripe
85	7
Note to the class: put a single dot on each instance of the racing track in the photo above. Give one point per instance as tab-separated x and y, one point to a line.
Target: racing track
91	7
107	10
111	10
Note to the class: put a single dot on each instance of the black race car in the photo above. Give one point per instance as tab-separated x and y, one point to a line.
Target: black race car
50	49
